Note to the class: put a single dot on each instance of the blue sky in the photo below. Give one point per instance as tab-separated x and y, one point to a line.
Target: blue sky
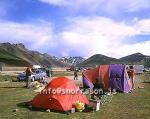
77	27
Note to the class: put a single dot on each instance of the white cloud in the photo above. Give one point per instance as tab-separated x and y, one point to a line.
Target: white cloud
116	6
88	36
143	26
84	36
55	2
107	6
36	35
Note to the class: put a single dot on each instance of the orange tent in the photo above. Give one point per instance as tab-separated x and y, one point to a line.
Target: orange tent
104	76
92	74
60	94
101	72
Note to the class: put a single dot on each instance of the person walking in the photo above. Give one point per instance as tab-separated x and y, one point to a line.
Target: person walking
75	75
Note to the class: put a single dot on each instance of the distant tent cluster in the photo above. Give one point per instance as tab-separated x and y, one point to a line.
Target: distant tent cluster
111	76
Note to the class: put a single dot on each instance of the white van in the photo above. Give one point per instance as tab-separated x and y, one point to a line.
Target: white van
139	69
36	66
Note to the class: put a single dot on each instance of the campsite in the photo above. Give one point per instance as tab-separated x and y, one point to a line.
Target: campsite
74	59
135	105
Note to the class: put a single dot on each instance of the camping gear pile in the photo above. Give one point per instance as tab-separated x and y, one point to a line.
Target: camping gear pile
79	106
37	86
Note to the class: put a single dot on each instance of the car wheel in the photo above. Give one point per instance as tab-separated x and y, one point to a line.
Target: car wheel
43	78
33	79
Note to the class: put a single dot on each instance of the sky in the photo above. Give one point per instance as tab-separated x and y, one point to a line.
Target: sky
115	28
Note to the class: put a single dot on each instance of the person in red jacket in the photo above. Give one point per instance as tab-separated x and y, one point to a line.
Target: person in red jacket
28	75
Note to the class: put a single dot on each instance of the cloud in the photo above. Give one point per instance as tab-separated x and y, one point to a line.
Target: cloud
35	35
117	6
99	35
143	26
106	6
55	2
81	36
128	49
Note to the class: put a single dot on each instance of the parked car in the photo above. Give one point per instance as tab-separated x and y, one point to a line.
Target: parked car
70	69
146	70
36	75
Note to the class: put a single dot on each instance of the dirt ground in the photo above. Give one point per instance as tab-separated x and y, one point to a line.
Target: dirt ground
11	73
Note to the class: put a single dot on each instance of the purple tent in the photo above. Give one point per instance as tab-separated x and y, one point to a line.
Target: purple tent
86	82
118	78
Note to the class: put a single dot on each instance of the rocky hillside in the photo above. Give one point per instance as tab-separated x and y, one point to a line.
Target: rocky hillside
134	58
99	59
19	55
72	61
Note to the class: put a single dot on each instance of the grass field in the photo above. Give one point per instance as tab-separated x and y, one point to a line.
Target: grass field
134	105
7	78
65	73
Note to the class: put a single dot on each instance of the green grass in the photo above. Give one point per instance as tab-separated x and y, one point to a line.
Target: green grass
7	78
65	73
134	105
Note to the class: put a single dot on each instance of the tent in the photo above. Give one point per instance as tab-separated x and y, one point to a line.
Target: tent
111	76
101	72
61	100
89	77
104	76
118	78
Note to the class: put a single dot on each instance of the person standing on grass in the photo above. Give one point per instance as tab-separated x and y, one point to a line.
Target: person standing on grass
132	75
98	89
75	74
28	76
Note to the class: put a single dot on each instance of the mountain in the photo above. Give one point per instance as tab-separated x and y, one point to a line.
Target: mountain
97	59
19	55
72	61
133	58
10	59
136	58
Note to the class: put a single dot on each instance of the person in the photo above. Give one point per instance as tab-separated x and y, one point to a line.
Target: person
75	75
28	75
131	76
98	89
48	72
128	71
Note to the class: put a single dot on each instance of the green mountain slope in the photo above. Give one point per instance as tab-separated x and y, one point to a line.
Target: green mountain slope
98	59
12	53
